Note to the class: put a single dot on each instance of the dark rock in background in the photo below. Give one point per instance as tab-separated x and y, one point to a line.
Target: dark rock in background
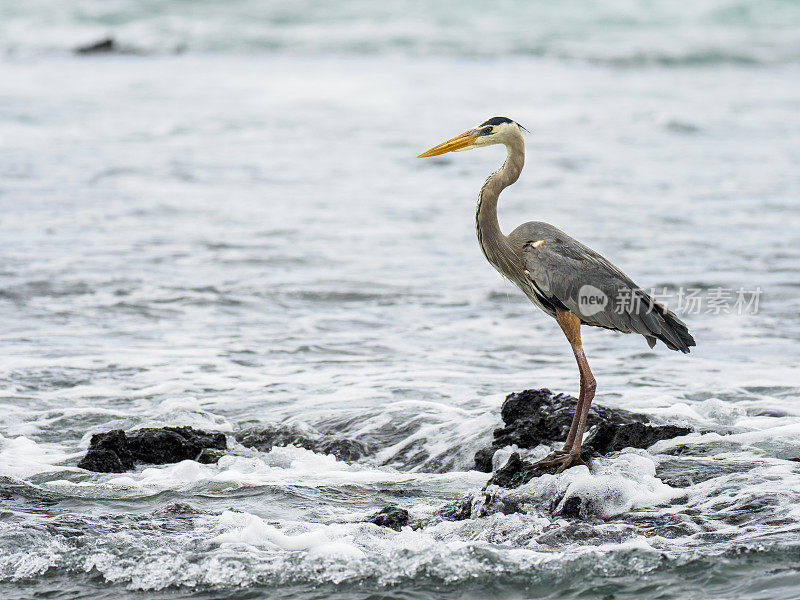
516	472
265	437
116	451
104	461
343	449
483	458
108	453
109	45
106	45
393	517
172	444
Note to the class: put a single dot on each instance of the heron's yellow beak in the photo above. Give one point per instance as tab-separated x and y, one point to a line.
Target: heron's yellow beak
460	142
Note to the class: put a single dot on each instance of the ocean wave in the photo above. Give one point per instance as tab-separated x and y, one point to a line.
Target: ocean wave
628	33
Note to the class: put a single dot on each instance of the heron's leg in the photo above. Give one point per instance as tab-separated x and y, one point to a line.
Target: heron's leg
571	326
571	454
573	428
588	387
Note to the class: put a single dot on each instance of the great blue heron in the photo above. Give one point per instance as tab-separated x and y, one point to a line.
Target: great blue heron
567	280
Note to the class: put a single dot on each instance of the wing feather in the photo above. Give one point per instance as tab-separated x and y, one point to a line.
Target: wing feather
569	273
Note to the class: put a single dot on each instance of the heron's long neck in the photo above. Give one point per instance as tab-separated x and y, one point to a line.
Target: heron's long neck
495	246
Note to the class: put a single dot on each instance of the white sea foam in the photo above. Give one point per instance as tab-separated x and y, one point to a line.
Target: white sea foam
620	484
282	466
22	457
615	486
244	528
187	411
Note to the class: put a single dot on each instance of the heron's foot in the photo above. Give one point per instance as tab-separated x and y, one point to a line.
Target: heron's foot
556	454
552	458
563	459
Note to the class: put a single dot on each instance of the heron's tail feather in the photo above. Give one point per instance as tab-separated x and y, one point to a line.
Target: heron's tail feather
674	332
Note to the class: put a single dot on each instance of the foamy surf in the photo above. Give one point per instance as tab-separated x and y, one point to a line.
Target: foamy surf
616	486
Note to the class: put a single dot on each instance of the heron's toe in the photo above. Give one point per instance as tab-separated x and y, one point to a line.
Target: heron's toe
570	460
563	459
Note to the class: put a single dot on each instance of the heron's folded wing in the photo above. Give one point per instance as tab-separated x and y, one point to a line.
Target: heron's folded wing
578	278
590	286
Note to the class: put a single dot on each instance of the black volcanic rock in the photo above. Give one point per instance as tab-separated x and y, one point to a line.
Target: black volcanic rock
514	473
393	517
265	437
535	417
517	472
481	504
108	453
210	456
107	45
344	449
483	458
104	46
116	451
103	461
609	436
172	444
458	510
571	508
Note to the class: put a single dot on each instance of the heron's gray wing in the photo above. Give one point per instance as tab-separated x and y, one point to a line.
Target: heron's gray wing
575	277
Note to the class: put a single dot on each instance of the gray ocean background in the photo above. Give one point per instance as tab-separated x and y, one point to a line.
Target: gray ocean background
222	224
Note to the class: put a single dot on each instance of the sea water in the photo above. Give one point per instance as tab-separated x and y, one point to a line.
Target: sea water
224	225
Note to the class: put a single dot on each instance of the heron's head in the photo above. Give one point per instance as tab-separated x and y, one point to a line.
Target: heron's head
497	130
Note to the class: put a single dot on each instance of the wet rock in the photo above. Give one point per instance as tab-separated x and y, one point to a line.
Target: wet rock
506	475
517	472
344	449
481	504
266	437
99	47
179	509
571	507
483	459
458	510
106	45
393	517
116	451
609	436
494	503
536	417
108	453
172	444
210	456
680	472
103	461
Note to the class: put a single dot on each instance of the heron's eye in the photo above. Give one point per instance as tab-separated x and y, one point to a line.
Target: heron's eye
487	131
